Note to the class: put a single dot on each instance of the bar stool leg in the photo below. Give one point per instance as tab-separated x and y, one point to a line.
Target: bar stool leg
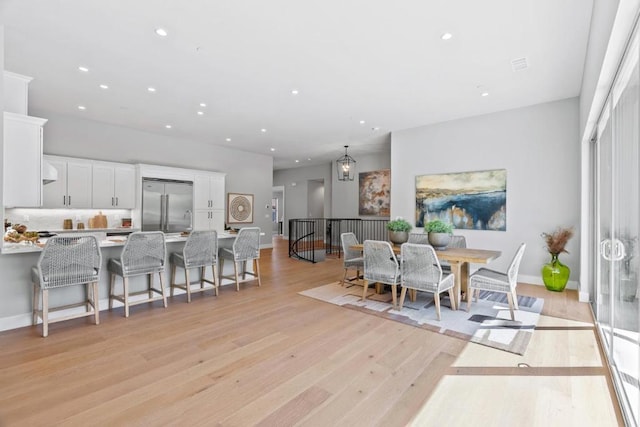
216	281
125	289
45	312
164	296
150	285
172	282
36	303
96	300
256	269
187	283
221	272
202	273
111	286
235	271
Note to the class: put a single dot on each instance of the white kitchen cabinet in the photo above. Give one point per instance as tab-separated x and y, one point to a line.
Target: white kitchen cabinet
208	201
22	171
209	220
73	186
16	93
113	185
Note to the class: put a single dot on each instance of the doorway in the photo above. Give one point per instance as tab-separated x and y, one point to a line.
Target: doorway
277	210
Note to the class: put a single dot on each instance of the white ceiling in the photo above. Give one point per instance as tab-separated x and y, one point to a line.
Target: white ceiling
379	61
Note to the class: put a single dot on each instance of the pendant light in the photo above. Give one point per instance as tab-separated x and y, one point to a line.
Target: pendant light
346	166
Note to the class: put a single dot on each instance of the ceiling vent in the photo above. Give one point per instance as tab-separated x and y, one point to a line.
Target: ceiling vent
519	64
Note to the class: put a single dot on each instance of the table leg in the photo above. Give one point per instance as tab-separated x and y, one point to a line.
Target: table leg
460	272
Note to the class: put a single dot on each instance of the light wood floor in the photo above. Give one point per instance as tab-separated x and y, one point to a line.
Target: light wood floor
268	356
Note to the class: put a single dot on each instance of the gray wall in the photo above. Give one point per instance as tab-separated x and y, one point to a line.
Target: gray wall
315	201
296	196
246	172
345	193
539	147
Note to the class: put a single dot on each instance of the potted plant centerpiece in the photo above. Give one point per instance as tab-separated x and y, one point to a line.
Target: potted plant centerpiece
439	233
555	274
399	230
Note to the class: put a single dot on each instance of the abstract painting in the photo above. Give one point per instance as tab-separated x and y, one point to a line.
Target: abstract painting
467	200
375	193
239	208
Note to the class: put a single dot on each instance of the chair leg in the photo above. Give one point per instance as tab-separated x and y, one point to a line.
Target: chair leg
216	281
125	295
96	300
235	272
172	281
365	287
256	270
469	297
510	298
394	296
454	306
45	312
202	273
221	271
187	283
244	270
111	286
344	278
162	291
436	299
150	281
413	295
36	304
403	294
515	299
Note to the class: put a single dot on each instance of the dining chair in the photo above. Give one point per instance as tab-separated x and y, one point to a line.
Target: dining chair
200	251
456	242
352	257
380	266
418	238
66	261
496	281
142	255
246	247
421	271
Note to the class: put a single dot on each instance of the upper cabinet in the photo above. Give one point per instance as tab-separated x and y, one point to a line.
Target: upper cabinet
73	187
16	93
22	163
208	201
114	185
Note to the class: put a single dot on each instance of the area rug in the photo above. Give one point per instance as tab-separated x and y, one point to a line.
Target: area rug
488	323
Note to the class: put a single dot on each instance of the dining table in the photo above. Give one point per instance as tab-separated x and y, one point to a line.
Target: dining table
459	259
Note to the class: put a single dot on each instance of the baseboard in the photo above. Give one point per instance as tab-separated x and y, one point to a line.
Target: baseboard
537	280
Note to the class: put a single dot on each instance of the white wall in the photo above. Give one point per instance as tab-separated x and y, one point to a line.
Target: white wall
246	172
539	147
345	193
295	183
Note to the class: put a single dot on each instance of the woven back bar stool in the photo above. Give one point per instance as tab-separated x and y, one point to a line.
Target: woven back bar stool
143	254
66	261
200	251
246	247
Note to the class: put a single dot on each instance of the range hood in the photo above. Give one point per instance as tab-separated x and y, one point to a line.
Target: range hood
49	173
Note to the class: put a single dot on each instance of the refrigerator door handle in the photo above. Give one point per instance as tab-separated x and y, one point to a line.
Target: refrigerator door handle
166	213
162	212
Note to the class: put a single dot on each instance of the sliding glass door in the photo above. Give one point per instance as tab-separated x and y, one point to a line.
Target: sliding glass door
616	303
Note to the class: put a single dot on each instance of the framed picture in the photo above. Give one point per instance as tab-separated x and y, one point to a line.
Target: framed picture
239	208
375	193
467	200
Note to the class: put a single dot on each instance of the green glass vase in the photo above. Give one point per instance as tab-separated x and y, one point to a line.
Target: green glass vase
555	274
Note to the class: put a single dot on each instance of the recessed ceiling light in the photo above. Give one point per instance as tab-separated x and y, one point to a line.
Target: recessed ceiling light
200	113
375	129
446	36
168	126
202	104
104	87
362	122
484	94
263	130
151	89
297	161
295	92
228	139
161	32
309	159
272	149
81	107
83	69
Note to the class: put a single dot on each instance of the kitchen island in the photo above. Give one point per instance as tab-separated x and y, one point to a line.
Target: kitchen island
17	260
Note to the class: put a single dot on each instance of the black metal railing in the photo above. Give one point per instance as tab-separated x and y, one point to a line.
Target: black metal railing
310	239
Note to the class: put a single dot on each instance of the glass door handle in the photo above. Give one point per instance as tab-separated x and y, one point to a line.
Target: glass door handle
605	249
619	251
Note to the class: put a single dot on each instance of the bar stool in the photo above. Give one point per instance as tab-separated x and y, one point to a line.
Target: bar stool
200	251
143	254
246	247
66	261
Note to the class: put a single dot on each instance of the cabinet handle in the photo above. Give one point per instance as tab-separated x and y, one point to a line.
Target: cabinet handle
116	201
64	200
113	201
69	200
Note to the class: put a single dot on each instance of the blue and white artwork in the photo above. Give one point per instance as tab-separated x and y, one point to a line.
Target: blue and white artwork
468	200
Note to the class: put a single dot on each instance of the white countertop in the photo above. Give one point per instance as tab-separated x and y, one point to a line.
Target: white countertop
108	242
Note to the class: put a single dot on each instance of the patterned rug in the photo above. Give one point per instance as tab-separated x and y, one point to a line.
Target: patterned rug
488	323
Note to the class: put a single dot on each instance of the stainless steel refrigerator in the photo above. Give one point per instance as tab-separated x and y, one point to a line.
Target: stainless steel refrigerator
167	205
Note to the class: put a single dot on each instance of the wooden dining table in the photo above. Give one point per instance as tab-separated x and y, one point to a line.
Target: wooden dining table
459	258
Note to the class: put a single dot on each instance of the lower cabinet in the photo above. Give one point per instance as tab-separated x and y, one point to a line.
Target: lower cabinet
209	220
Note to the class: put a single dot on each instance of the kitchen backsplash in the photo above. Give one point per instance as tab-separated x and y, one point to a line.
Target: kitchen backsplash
53	219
